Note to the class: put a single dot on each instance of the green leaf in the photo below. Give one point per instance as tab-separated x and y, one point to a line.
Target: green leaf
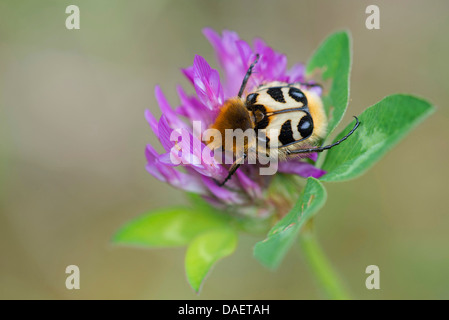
169	227
205	250
333	61
272	250
381	127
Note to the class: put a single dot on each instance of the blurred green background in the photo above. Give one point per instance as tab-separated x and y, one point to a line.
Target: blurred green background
72	138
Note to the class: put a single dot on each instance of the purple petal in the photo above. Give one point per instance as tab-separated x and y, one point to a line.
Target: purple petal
169	175
317	90
245	52
300	168
225	46
164	133
166	158
207	84
272	65
215	39
247	57
190	151
193	109
152	121
209	166
251	187
313	156
232	55
188	72
221	193
173	120
296	73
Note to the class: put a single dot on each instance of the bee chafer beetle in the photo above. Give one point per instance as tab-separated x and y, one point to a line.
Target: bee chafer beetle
287	118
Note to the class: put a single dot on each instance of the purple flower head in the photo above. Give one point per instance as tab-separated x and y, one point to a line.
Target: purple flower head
187	162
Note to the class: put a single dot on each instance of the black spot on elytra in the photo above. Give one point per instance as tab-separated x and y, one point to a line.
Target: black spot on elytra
277	94
286	135
251	98
305	126
297	95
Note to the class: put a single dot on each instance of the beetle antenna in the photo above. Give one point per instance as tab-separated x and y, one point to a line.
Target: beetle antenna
247	75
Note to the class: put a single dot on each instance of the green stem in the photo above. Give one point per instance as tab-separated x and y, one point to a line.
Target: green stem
327	278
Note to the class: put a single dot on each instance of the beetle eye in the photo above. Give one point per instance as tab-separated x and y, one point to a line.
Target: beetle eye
251	98
305	126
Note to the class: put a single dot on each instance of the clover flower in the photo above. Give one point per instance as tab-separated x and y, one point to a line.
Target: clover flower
195	172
